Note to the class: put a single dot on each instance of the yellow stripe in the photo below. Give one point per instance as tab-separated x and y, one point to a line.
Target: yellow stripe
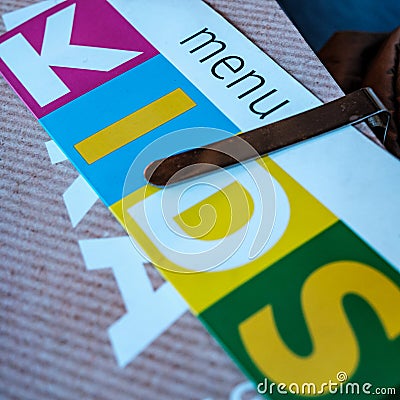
134	125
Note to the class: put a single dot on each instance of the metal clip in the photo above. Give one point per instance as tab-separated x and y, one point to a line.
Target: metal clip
360	106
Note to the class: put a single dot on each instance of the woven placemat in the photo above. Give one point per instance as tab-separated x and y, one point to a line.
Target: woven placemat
54	314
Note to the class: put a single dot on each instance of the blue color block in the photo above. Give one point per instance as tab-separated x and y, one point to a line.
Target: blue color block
117	99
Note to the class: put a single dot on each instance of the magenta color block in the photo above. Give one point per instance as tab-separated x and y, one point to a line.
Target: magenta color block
96	24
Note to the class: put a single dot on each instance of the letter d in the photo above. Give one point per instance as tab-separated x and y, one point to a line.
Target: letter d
261	384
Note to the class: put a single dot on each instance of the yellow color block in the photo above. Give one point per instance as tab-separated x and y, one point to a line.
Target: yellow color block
308	218
219	215
134	125
333	337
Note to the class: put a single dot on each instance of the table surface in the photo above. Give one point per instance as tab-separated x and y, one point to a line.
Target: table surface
54	313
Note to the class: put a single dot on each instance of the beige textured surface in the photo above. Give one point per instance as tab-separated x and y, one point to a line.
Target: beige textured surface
54	314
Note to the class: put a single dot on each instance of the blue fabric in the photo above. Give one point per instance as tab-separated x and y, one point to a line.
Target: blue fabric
318	20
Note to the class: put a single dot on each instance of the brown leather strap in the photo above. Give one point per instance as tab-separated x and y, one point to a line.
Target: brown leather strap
356	107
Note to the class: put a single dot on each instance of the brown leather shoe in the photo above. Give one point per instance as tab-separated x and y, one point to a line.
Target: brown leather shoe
358	59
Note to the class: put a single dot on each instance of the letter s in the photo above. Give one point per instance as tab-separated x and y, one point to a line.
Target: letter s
335	346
